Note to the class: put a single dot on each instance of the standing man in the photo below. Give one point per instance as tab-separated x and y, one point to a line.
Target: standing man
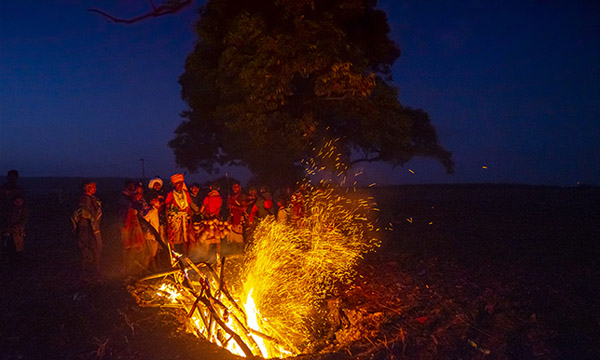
178	214
13	218
86	222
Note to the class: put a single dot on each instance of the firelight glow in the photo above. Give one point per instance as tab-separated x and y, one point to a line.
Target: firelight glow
274	308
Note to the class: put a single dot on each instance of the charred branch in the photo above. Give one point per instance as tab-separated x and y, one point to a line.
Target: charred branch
221	318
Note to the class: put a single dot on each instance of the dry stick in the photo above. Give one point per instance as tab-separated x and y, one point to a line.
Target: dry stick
157	275
193	266
244	327
225	291
228	330
208	289
246	331
189	315
221	274
167	273
207	325
232	300
211	326
170	254
213	314
227	341
204	321
213	273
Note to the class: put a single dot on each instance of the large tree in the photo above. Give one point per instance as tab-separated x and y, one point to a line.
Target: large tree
270	80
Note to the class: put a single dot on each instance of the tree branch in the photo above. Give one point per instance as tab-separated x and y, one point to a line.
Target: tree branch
169	7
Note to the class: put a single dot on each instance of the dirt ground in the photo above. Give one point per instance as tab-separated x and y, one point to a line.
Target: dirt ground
465	272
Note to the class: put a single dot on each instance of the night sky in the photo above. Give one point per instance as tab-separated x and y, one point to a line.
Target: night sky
512	87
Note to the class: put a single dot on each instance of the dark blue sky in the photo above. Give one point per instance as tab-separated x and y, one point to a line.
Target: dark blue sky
510	85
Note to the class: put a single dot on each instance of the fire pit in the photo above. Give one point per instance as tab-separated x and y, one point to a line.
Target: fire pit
272	301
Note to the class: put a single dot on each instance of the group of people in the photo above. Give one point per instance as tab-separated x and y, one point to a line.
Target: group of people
154	221
13	219
185	220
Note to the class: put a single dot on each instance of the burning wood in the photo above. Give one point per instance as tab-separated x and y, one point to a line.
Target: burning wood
282	281
275	306
214	313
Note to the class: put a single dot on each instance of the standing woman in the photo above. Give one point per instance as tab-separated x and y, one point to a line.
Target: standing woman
178	214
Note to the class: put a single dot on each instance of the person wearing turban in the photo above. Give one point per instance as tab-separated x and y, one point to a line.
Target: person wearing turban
178	214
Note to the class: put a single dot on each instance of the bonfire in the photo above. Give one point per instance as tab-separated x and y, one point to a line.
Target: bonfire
275	299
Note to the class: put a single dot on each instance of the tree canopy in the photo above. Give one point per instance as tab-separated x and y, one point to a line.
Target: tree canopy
270	80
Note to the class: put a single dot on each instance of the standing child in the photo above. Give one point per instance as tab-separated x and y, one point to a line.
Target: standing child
133	207
152	218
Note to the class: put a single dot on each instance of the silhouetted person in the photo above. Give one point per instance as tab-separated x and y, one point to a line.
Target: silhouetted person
196	203
86	221
133	206
13	218
8	192
13	236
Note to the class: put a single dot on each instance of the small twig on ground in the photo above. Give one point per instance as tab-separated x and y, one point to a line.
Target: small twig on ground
101	351
403	338
128	322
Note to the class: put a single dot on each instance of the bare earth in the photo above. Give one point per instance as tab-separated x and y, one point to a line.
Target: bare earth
467	271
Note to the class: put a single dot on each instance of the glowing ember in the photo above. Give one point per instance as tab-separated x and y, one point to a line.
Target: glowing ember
170	291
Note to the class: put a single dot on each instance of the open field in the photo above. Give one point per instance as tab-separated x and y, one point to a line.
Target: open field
467	271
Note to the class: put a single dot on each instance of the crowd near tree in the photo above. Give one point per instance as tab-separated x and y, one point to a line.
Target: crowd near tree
267	84
157	225
86	224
